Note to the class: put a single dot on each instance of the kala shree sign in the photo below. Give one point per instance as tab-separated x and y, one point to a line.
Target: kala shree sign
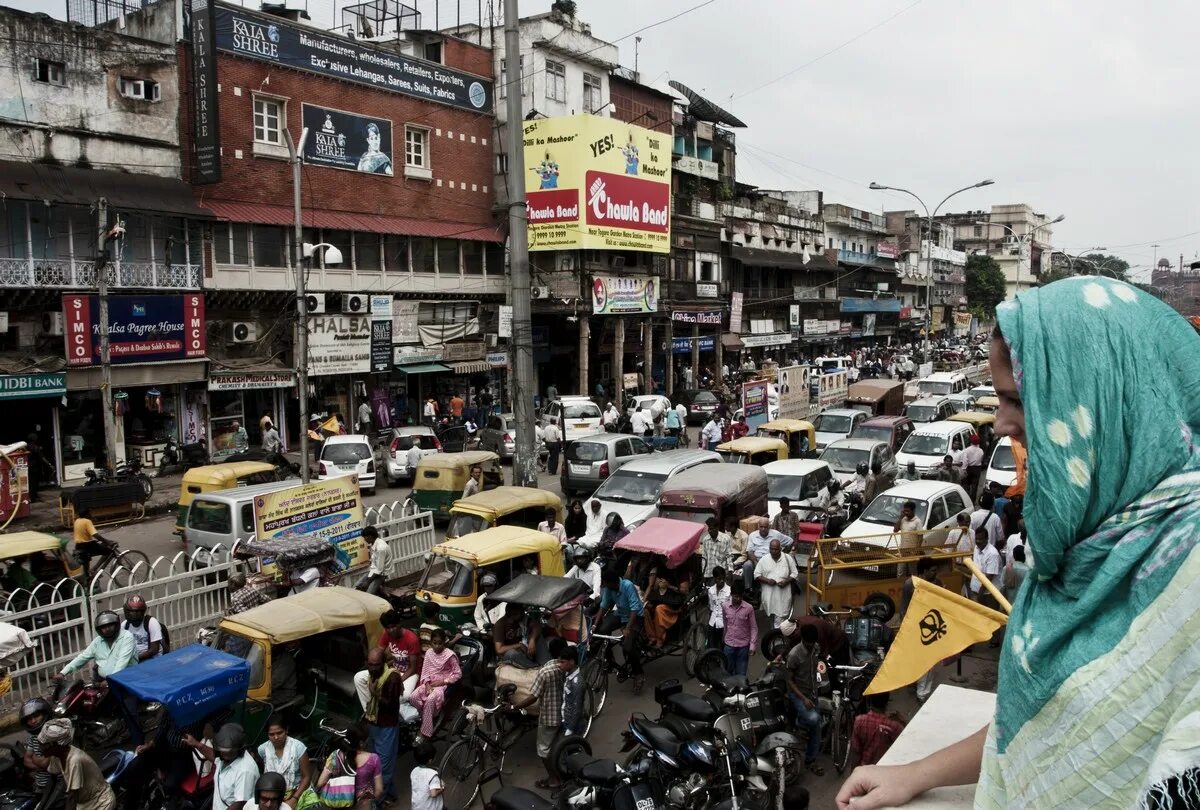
270	39
205	131
344	140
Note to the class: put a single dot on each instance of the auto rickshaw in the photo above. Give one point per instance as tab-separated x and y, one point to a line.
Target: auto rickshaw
217	477
714	490
987	404
502	506
36	558
983	422
321	635
451	577
441	477
799	434
754	450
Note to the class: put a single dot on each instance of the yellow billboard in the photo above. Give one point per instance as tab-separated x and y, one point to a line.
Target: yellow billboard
597	183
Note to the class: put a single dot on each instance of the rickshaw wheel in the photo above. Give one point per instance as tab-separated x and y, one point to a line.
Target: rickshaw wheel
461	768
595	675
694	644
587	710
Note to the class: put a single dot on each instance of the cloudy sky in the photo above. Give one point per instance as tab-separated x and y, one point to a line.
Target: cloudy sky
1086	109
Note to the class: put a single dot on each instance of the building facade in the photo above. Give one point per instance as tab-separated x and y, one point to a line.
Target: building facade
1016	236
947	292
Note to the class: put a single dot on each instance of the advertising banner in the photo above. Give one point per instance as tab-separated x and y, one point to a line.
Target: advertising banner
683	345
297	47
711	317
206	137
754	403
250	381
141	328
599	183
735	312
834	388
813	326
504	325
342	140
793	392
623	295
331	510
31	386
868	327
962	323
339	344
404	322
381	345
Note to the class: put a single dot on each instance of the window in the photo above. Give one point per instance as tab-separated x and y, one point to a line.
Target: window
270	246
422	255
706	271
502	90
591	93
979	230
416	147
366	251
472	258
268	120
447	263
433	51
341	241
46	70
140	89
395	252
954	503
556	81
231	242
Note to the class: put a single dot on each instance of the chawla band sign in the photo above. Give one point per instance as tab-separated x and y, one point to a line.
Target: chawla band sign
598	183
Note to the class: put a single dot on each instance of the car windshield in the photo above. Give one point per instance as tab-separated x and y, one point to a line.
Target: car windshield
206	516
1003	459
791	487
830	423
922	413
624	486
586	452
581	410
845	459
447	576
348	453
730	457
935	387
704	398
684	514
886	508
876	432
925	444
463	524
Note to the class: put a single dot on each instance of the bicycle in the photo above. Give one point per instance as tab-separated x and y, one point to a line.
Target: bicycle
845	706
462	766
124	567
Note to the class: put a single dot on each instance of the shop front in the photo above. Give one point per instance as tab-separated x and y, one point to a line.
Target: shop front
242	399
31	408
440	372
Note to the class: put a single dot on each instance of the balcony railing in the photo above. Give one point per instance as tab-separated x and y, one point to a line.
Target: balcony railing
868	259
68	274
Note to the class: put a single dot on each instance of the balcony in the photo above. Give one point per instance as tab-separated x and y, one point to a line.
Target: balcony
698	209
74	274
866	259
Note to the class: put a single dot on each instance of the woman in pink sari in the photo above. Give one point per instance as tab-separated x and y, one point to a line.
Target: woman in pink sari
439	670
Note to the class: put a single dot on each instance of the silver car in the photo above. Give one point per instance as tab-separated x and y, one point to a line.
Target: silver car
589	460
395	453
499	435
845	455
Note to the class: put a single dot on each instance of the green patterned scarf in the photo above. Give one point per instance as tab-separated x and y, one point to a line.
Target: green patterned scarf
1098	702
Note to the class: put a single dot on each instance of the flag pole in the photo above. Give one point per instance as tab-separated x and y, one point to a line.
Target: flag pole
987	583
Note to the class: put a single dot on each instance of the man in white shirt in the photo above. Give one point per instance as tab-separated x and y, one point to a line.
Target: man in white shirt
488	616
988	559
413	458
553	438
719	595
639	423
586	570
595	525
364	419
381	562
710	434
972	464
553	528
682	410
775	573
611	416
985	518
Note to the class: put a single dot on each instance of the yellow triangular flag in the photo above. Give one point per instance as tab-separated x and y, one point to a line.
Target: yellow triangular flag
331	425
939	624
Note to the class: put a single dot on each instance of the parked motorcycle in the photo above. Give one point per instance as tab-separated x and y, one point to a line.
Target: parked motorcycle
601	784
178	457
130	470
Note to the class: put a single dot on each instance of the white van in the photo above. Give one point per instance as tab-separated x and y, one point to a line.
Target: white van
943	383
929	444
226	516
577	416
1002	466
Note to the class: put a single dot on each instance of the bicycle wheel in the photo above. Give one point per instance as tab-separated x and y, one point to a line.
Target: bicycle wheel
695	643
587	710
129	567
461	768
843	728
595	675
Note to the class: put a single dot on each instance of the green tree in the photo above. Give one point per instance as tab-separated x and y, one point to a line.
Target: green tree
1100	264
985	285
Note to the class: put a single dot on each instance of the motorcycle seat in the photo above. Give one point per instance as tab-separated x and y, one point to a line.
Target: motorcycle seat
515	798
732	684
691	707
661	737
600	772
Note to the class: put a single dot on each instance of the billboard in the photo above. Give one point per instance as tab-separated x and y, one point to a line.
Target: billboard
599	184
343	140
624	295
339	344
754	403
206	138
141	328
793	392
330	509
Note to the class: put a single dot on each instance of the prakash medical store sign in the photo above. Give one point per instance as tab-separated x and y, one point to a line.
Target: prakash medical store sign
598	184
141	328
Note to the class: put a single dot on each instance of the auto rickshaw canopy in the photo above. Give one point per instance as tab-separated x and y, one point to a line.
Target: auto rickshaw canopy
22	544
549	593
455	461
191	683
223	476
315	611
749	445
494	503
674	539
497	544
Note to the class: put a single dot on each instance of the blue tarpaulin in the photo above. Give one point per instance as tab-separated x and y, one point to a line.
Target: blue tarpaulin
191	682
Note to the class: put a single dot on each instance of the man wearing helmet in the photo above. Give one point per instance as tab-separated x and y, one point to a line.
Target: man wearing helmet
487	616
112	650
268	792
34	714
586	570
146	630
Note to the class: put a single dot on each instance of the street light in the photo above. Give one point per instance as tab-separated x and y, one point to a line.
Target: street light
1077	257
1022	238
929	258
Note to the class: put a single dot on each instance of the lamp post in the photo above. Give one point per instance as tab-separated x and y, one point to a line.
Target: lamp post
1022	239
1078	257
929	216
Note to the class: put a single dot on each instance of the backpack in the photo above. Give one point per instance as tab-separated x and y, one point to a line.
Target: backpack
164	646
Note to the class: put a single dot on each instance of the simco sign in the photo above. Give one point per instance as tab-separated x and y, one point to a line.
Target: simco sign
141	329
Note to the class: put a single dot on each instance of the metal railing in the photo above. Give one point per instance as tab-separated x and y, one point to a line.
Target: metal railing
67	273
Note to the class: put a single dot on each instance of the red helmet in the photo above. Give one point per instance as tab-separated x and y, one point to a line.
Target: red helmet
135	602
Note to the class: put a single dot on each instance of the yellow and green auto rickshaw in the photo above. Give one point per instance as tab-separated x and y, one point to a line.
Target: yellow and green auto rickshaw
216	477
502	506
799	435
440	478
753	450
451	577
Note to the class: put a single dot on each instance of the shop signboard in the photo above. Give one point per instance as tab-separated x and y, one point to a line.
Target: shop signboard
868	325
624	295
844	327
342	140
330	510
962	323
410	355
754	402
712	317
497	359
812	326
141	328
794	316
206	135
299	47
706	290
833	327
505	326
31	386
793	392
250	380
381	345
404	322
735	312
381	307
834	388
683	345
339	344
600	184
769	339
937	317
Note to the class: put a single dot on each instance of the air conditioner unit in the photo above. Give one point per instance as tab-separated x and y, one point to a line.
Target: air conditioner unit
243	332
314	304
52	323
492	340
618	262
356	304
539	293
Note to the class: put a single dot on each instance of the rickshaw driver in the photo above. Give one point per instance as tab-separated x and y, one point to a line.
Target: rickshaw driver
507	635
620	606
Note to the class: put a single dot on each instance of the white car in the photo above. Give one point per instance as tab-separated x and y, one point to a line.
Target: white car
632	491
930	409
803	481
348	455
836	423
577	416
983	391
938	505
649	404
926	446
1002	466
396	453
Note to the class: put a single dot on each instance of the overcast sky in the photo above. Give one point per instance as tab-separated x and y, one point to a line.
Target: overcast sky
1087	109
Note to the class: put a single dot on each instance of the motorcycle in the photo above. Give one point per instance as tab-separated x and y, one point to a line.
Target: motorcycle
126	471
593	784
178	457
88	706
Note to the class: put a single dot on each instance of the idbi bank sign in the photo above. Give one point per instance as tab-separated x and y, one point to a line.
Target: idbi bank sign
598	183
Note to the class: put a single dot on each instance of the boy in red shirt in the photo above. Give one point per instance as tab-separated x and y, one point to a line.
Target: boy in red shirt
875	731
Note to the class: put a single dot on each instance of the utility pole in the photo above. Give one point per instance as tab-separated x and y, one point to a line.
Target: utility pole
106	390
295	150
524	469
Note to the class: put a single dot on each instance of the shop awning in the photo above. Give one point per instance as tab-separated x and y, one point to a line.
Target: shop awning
74	186
342	221
139	374
422	368
471	367
731	341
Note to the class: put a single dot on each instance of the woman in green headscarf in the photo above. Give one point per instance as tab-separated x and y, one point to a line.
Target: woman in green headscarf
1098	701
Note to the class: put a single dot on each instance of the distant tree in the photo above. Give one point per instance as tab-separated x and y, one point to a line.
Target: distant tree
985	286
1100	264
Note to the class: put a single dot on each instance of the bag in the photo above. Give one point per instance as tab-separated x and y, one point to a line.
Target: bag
339	790
308	799
164	646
